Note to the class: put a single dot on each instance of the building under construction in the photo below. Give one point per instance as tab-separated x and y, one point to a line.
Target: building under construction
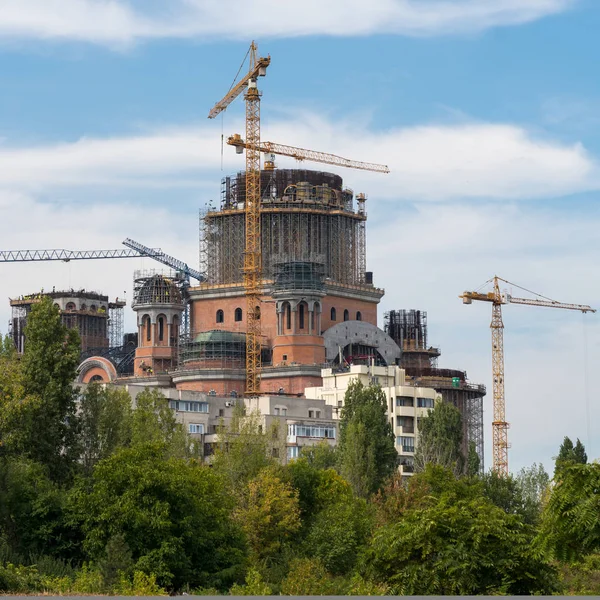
408	328
98	321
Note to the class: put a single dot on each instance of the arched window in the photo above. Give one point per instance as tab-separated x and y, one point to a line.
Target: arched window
161	329
288	316
346	315
148	326
238	314
358	315
93	308
84	306
96	378
70	306
333	315
301	316
220	316
257	313
175	330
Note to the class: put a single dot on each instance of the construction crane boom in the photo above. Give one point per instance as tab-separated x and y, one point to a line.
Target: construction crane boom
68	255
165	259
497	298
304	154
258	70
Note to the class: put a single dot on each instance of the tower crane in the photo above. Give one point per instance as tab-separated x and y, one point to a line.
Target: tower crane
271	148
497	298
252	250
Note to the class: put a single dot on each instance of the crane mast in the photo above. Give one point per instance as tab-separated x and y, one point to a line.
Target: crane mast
500	426
252	243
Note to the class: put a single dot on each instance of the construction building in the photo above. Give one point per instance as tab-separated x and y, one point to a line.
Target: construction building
98	321
408	328
318	310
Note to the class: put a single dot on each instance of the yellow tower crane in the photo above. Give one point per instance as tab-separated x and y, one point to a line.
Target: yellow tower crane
252	248
497	298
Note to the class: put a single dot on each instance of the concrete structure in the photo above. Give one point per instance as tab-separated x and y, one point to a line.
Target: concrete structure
406	402
98	321
300	423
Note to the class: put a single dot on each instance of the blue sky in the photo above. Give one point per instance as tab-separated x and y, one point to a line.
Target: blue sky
486	111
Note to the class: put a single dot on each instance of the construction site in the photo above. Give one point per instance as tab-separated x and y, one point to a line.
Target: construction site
281	303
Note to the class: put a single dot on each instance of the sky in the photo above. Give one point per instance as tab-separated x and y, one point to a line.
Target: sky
486	111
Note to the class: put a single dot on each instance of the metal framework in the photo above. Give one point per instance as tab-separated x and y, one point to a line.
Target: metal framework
301	154
408	328
497	298
306	216
252	250
67	255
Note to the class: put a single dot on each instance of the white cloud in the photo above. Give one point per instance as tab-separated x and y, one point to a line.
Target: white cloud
118	22
433	162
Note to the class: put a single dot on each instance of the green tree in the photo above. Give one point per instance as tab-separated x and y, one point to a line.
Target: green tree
473	460
32	511
244	448
440	439
533	483
173	515
569	454
105	423
339	534
458	543
366	451
269	514
153	421
48	427
571	517
309	577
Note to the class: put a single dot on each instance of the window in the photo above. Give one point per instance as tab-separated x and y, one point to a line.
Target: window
315	431
288	316
425	402
405	401
196	428
220	316
293	452
275	452
238	314
71	306
318	414
333	315
161	329
407	424
84	306
301	316
284	411
276	411
358	315
93	308
148	327
407	443
346	315
311	414
201	407
221	412
96	378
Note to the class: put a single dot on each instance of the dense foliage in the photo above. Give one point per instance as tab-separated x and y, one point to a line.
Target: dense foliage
97	496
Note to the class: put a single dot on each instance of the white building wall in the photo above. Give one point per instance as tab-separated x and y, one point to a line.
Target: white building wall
406	403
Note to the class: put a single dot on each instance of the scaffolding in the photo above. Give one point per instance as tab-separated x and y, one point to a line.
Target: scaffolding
158	287
85	311
116	327
306	216
408	328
